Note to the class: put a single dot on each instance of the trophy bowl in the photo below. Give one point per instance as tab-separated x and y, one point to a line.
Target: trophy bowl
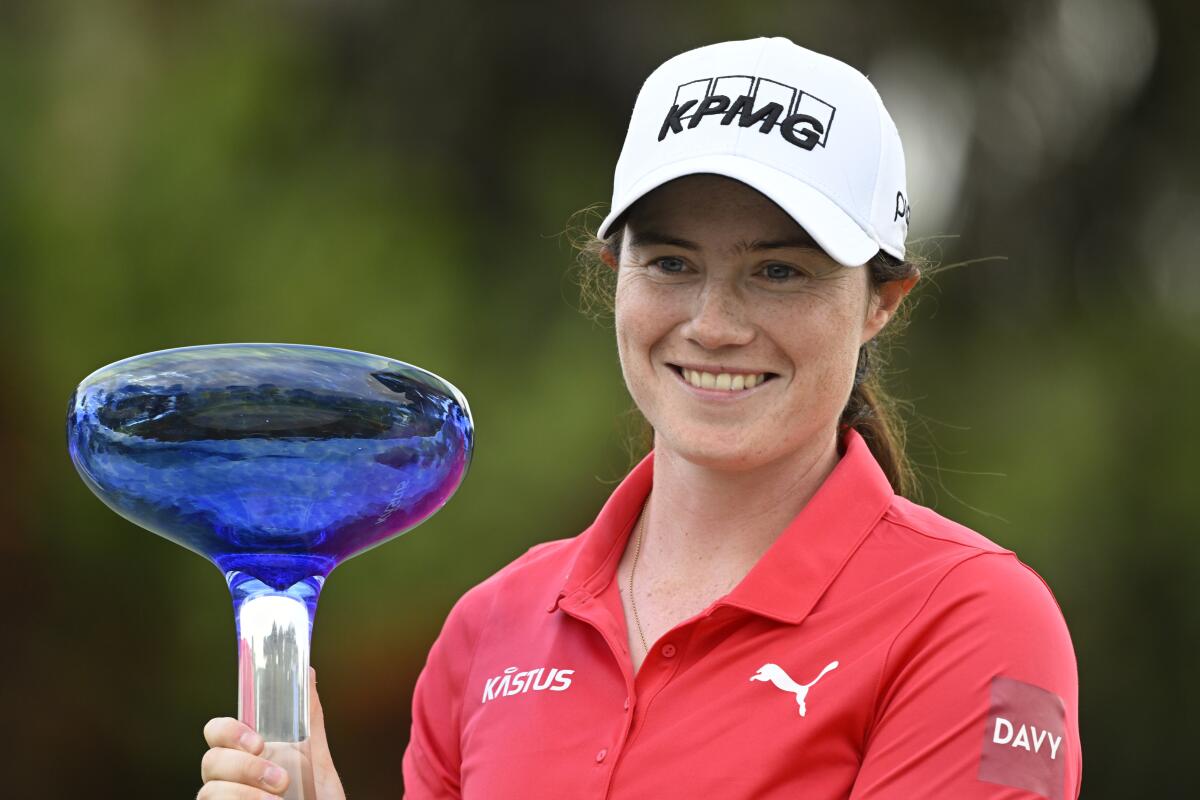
276	462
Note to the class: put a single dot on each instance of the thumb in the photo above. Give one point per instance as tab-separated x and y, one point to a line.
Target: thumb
320	745
314	700
324	773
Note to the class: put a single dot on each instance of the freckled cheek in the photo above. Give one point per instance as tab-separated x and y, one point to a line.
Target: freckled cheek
641	322
823	361
635	343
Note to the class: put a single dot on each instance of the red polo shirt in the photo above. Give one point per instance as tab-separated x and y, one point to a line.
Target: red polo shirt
876	650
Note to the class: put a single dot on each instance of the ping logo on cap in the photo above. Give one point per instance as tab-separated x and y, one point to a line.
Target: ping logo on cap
800	117
903	209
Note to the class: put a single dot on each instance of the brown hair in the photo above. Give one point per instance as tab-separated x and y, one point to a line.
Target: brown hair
870	409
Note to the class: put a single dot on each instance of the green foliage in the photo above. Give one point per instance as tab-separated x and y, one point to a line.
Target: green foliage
392	178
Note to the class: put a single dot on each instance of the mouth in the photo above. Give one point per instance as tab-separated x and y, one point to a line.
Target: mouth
732	383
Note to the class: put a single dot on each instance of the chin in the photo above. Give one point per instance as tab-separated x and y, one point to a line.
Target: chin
731	457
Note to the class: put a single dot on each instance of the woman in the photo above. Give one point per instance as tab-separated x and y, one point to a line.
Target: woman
757	611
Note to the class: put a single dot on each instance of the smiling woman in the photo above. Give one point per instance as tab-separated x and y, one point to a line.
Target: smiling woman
782	269
759	610
716	284
719	307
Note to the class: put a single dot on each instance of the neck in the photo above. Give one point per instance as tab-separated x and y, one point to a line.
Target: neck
707	525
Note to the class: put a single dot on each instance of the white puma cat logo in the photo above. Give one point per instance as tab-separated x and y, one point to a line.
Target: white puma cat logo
775	674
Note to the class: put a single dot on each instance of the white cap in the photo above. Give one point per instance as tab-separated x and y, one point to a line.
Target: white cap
806	130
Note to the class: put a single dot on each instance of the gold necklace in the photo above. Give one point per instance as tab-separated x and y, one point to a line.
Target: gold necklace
638	552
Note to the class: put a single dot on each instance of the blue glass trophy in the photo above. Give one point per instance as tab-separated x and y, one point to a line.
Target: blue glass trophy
276	462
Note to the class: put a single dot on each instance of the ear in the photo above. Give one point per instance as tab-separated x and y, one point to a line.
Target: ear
885	303
606	255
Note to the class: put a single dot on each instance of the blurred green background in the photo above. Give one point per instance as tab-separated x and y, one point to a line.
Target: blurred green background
395	177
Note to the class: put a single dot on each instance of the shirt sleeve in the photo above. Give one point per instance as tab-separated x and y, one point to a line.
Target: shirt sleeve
978	698
432	760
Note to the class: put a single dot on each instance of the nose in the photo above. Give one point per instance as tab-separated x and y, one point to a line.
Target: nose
720	317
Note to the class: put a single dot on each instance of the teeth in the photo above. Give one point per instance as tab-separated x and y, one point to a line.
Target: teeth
726	381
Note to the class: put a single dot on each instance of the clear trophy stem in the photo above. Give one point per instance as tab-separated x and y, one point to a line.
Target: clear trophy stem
274	640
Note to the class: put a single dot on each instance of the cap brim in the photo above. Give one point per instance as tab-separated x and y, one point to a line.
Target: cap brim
824	220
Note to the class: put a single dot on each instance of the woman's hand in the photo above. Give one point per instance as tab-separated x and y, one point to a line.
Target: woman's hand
237	768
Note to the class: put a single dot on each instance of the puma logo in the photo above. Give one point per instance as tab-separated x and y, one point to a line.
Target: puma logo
775	674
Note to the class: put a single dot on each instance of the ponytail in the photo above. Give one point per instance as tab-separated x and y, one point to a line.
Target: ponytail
870	410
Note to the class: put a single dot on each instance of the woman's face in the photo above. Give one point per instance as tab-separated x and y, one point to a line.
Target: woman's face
715	277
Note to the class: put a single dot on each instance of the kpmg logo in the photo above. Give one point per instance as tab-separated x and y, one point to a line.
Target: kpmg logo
800	118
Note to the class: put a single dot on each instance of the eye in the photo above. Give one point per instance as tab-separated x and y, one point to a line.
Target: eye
778	272
671	265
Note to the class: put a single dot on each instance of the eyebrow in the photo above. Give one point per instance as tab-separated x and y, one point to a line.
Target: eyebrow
649	237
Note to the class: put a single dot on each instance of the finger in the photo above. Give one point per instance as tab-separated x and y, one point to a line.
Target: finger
223	764
229	732
223	790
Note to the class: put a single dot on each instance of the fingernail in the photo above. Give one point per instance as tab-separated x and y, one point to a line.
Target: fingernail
273	776
251	741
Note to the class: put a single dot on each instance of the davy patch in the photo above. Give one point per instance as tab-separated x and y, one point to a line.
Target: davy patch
1024	739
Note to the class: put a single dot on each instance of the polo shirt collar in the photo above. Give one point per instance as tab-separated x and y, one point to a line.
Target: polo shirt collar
788	580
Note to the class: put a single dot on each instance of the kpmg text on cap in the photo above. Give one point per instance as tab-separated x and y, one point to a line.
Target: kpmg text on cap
782	101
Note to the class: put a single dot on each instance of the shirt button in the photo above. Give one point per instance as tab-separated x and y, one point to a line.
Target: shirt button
626	703
668	650
600	756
